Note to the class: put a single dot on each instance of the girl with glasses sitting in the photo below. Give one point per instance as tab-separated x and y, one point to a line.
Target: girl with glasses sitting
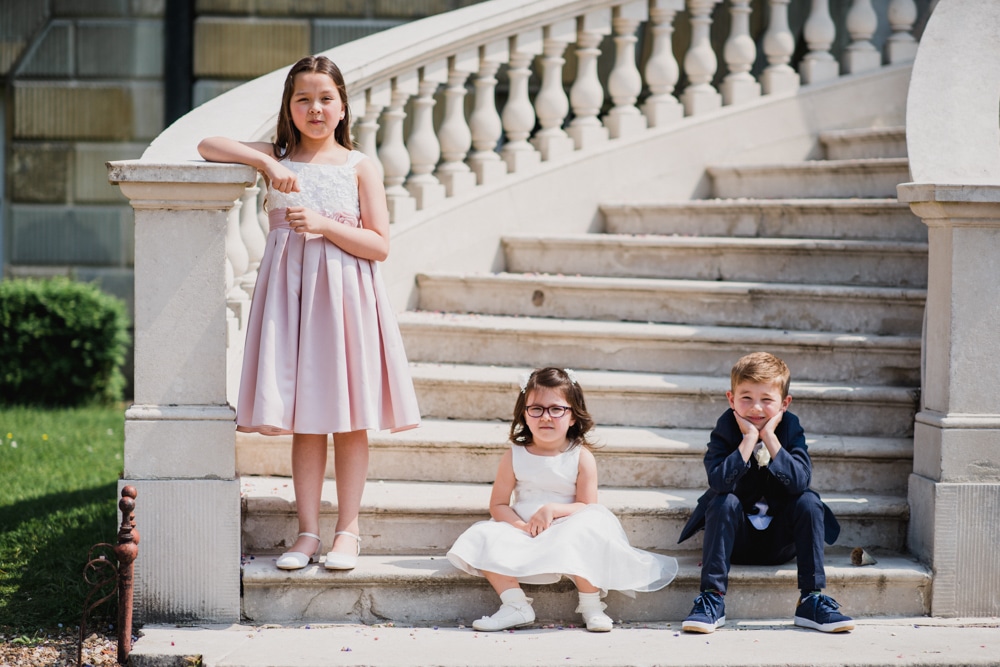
546	521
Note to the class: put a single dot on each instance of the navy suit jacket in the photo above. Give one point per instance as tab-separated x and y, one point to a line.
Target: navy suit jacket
788	475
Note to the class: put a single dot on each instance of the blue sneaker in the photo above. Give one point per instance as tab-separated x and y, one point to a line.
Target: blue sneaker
708	613
819	612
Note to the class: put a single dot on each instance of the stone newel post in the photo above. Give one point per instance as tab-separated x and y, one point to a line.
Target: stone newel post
952	139
180	433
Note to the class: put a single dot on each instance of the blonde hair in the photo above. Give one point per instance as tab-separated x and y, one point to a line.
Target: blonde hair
761	368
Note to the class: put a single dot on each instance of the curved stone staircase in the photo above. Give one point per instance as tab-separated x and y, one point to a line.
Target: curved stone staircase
814	261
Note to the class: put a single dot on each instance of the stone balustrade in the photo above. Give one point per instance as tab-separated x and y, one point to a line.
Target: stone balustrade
449	107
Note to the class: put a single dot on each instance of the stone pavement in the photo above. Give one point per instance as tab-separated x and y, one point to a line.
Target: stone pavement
875	641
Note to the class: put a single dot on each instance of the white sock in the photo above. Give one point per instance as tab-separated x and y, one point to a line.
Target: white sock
514	597
589	599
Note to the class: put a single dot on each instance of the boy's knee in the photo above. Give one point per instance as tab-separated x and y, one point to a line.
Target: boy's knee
808	503
725	504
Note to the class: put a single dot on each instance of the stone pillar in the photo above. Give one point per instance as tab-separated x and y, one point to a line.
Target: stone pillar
180	432
954	493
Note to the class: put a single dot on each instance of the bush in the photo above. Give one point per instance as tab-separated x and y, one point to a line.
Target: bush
61	343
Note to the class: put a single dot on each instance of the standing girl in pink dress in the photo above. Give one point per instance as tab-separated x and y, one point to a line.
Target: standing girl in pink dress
323	350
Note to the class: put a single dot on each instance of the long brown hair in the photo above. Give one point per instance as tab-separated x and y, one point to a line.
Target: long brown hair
287	136
560	380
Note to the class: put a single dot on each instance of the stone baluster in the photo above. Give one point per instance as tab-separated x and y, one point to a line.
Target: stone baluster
376	99
625	81
700	62
662	71
861	55
586	95
739	53
820	31
778	76
395	158
518	114
237	260
454	133
253	238
423	145
552	103
485	120
901	45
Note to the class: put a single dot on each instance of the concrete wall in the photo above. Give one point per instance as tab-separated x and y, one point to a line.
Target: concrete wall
83	84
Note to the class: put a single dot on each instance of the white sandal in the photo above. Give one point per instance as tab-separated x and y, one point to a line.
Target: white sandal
296	560
340	561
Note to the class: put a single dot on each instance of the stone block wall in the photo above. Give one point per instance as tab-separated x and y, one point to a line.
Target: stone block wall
82	82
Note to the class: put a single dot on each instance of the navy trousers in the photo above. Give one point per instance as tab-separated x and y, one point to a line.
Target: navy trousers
797	532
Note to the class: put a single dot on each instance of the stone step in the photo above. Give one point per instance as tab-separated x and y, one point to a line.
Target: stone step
877	177
886	219
427	590
878	310
664	348
427	517
815	261
451	450
876	142
618	398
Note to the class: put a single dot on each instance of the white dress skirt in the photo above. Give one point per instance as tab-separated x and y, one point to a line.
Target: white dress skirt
589	543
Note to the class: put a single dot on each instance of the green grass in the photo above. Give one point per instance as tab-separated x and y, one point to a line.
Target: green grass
58	497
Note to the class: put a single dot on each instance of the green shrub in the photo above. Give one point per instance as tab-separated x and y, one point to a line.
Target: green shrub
61	343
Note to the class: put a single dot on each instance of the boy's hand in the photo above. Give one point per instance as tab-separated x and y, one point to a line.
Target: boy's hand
540	520
747	428
772	424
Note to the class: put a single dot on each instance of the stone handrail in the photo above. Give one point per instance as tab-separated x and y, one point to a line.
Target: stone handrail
953	141
199	226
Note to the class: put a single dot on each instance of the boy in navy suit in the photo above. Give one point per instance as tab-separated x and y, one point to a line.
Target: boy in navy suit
759	509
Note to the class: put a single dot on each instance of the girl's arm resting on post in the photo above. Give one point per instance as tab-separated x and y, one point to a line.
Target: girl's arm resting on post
371	240
503	487
256	154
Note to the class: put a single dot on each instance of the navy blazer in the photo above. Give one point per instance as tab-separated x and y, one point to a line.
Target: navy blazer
788	475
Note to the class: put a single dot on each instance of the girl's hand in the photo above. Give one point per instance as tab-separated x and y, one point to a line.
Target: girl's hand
281	178
540	520
305	221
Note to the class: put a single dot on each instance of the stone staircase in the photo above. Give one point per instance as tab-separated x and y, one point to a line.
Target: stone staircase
815	261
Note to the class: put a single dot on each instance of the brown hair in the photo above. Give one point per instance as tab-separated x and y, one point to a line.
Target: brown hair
560	380
761	368
287	136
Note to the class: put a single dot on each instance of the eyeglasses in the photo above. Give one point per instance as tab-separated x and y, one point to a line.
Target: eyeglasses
555	411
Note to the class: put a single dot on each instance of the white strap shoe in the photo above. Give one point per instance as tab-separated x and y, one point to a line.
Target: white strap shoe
507	616
594	616
296	560
340	561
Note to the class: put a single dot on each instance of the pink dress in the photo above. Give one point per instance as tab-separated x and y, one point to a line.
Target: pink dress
323	350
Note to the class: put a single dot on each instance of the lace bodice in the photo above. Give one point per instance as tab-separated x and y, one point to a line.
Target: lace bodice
324	188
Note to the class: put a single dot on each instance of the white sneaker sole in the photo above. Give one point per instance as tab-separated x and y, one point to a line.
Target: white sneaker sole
704	628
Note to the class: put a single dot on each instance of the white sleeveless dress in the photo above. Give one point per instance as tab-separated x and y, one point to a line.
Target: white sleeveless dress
590	543
323	350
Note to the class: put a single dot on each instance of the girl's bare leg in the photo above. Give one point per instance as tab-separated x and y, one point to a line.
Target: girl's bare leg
585	586
501	582
350	452
308	470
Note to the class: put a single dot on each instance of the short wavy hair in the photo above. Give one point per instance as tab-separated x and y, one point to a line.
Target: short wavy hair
761	368
560	380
